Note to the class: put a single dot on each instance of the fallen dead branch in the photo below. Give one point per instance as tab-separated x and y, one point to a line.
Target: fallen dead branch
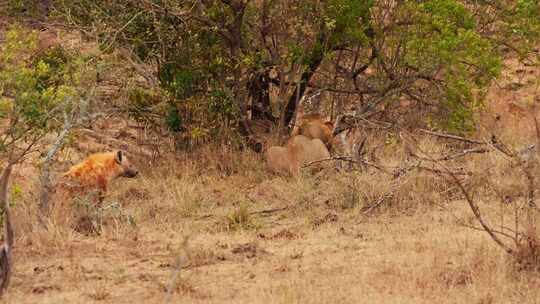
202	217
441	172
468	198
264	211
462	223
378	202
348	159
397	171
450	136
476	210
269	211
180	261
478	150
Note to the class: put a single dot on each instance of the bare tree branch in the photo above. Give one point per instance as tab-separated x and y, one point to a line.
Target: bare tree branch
450	136
463	153
472	204
44	177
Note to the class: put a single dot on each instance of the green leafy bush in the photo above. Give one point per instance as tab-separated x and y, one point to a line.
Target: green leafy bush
37	88
211	55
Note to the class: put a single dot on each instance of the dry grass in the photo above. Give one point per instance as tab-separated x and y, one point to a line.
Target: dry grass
256	237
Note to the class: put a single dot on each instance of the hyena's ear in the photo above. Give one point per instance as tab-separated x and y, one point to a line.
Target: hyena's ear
118	157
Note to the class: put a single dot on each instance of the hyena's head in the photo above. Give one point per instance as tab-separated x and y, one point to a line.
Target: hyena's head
128	169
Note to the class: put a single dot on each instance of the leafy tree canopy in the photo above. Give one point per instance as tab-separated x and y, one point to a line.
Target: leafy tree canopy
217	59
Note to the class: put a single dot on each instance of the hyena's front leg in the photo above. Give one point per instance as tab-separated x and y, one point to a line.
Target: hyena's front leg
102	190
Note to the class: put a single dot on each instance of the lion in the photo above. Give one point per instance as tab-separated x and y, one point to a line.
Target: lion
314	126
280	160
298	152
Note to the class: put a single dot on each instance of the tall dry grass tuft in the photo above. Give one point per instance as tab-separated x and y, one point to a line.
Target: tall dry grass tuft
239	218
223	161
393	182
528	250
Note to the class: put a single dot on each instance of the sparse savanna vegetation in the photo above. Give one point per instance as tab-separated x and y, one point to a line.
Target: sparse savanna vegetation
430	194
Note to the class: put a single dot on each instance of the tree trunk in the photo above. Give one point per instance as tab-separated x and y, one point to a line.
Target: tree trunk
259	88
316	59
6	248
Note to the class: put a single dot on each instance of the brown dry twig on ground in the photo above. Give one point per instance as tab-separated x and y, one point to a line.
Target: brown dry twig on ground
366	210
461	222
269	211
180	261
398	174
351	160
475	209
478	150
450	136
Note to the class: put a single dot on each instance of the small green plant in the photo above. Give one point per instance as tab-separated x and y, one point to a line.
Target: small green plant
239	218
16	194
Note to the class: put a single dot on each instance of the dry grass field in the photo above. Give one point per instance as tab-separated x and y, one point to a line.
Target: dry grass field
204	230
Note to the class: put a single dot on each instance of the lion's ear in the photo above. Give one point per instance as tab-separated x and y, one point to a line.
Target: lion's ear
118	157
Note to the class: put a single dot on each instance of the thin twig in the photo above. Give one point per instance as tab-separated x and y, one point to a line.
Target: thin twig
496	144
472	204
450	136
462	223
176	272
45	169
474	208
463	153
349	159
113	39
377	203
264	211
440	172
269	211
476	211
537	128
205	216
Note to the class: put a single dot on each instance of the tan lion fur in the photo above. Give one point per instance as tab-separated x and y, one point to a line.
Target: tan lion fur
280	160
315	126
308	150
299	151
